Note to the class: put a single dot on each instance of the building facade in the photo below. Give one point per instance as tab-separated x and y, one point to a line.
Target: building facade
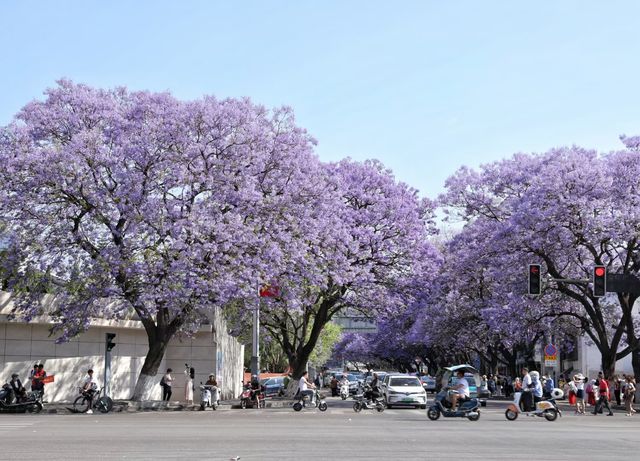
211	350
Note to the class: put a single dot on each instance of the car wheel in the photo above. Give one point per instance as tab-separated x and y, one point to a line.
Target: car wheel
423	407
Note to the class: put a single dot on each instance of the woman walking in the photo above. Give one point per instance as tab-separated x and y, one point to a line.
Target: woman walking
629	392
578	381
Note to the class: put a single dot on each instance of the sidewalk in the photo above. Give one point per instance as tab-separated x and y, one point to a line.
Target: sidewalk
130	406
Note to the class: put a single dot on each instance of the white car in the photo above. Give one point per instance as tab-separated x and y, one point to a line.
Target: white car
403	390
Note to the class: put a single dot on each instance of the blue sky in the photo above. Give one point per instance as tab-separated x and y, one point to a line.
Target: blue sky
425	86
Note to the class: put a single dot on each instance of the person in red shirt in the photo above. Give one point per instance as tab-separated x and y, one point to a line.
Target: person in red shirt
603	387
38	376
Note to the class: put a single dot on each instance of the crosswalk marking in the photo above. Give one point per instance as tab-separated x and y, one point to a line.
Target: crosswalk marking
7	426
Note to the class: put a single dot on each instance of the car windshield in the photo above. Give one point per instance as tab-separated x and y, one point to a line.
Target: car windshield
265	381
404	381
352	378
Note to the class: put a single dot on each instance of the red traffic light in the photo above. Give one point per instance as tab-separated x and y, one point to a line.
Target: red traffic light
600	271
534	268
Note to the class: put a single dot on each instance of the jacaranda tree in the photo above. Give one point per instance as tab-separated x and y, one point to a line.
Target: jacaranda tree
136	203
568	209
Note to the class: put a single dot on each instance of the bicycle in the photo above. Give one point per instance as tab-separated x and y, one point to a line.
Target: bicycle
91	399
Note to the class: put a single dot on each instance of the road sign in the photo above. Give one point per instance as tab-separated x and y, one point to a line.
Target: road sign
550	356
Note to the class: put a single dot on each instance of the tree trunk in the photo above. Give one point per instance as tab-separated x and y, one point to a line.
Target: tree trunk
147	378
608	363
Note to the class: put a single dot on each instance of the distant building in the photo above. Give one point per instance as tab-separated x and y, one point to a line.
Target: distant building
356	324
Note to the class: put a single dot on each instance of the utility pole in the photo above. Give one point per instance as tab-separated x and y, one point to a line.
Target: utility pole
255	347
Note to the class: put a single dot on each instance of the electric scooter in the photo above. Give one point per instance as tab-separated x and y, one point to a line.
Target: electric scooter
209	396
303	402
364	404
441	406
344	391
546	408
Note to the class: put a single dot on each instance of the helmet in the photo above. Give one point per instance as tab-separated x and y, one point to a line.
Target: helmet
534	375
557	393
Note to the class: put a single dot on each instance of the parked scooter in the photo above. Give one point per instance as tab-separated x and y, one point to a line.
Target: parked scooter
546	408
344	391
209	396
10	404
441	406
362	403
303	402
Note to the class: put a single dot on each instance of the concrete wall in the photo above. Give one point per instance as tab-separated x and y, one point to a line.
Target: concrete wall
210	350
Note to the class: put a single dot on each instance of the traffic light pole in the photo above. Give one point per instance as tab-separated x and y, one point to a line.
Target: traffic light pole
107	371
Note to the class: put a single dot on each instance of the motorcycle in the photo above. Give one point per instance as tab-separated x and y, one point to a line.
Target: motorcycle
466	409
547	409
209	396
9	404
302	400
248	397
365	404
344	391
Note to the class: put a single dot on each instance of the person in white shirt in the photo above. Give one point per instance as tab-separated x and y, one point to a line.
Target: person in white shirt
461	388
89	386
306	388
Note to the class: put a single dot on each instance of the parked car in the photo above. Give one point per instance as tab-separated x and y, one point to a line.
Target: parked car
273	386
429	383
354	383
381	376
403	390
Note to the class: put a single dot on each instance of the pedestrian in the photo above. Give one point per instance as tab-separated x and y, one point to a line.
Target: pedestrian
89	388
527	396
617	388
549	385
603	400
578	381
491	385
165	382
517	385
629	393
188	387
334	386
508	386
589	390
37	382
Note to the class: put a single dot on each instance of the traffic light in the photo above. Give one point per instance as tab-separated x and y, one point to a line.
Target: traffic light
599	281
535	287
109	338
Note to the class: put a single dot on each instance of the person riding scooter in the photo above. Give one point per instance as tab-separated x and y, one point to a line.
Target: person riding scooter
536	386
373	392
18	389
460	390
256	389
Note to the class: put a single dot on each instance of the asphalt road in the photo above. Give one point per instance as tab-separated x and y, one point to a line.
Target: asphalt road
337	434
